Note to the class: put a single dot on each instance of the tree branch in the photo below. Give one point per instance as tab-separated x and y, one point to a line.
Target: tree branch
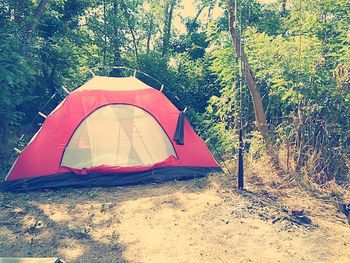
253	89
134	40
37	15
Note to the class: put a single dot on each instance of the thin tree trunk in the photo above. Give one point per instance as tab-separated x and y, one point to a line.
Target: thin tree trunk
116	44
36	18
19	7
133	35
169	10
4	137
166	8
284	8
300	139
288	155
198	14
211	7
192	28
253	89
104	32
149	35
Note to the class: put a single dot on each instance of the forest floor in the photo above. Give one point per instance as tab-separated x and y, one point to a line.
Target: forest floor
189	221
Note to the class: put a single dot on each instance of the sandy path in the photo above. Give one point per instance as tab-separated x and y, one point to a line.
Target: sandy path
174	222
204	227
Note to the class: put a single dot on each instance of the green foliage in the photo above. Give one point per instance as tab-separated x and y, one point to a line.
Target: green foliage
301	68
300	58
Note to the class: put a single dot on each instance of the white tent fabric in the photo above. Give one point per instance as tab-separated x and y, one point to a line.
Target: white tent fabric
118	135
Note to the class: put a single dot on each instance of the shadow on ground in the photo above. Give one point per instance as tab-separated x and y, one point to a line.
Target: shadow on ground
78	225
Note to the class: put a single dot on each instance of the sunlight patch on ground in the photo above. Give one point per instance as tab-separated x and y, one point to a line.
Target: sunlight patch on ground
72	251
57	213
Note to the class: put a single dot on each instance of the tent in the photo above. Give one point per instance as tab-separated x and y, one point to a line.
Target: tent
111	132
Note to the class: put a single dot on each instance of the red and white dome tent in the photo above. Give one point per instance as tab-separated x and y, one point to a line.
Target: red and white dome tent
111	132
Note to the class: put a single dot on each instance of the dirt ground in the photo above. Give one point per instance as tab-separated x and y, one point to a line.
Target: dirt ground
190	221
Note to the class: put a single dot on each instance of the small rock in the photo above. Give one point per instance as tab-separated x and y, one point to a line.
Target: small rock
39	225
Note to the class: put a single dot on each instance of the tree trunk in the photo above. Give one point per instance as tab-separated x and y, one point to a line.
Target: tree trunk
211	7
284	7
117	57
192	28
4	139
133	35
19	7
253	89
149	35
165	26
104	32
169	10
37	15
198	14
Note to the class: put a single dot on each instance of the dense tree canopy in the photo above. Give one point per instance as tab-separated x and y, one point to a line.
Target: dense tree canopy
298	52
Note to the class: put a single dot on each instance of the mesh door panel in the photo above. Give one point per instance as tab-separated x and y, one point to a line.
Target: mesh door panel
117	135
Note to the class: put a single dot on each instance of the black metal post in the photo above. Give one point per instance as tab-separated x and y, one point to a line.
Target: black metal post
241	145
240	161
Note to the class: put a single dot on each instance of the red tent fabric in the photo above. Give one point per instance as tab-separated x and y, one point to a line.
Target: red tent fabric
42	164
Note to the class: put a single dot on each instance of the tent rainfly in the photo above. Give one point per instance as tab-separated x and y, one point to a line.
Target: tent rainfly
111	132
